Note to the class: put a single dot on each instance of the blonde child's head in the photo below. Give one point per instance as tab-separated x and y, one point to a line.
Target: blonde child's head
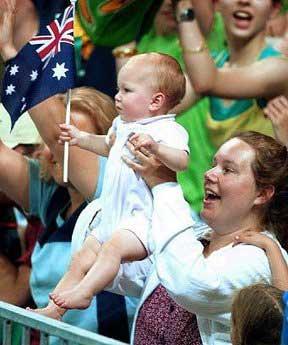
257	314
165	75
156	83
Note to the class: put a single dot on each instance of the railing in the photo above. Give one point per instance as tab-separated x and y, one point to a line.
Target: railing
47	327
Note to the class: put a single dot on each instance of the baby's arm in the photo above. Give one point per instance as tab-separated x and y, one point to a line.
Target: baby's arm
278	265
174	159
277	112
87	141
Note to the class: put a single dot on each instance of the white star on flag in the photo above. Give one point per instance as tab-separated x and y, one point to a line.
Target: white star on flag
59	71
14	69
23	99
34	75
10	89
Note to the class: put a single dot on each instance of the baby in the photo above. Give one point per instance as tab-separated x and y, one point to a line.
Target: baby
149	86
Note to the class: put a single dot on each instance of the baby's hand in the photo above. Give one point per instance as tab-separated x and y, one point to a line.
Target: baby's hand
140	140
277	112
255	238
69	133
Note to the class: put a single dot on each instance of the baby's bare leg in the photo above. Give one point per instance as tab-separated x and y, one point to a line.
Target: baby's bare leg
80	264
123	246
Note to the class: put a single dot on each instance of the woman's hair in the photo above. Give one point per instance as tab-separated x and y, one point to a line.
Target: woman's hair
95	104
257	315
270	168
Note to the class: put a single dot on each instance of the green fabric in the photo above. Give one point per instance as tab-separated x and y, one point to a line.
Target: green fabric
284	5
220	111
194	119
225	118
113	27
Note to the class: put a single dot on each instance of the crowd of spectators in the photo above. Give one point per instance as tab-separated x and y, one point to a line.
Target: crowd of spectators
212	268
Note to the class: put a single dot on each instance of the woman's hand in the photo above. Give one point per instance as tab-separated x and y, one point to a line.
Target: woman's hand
277	112
151	170
255	238
7	19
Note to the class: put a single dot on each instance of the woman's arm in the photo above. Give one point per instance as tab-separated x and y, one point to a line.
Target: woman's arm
278	265
14	176
14	282
204	12
47	116
266	78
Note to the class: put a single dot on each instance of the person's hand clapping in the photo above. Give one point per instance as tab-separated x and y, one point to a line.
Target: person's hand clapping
277	112
7	19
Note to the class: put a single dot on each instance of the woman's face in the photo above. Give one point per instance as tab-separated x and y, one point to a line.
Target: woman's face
230	189
51	165
245	18
165	21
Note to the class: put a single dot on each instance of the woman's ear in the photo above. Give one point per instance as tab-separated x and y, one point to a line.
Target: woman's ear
158	100
264	195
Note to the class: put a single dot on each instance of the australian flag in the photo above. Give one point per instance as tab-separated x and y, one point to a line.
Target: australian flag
44	67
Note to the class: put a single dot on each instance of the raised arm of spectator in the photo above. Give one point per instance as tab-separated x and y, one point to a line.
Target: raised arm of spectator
204	12
48	115
14	176
266	78
277	112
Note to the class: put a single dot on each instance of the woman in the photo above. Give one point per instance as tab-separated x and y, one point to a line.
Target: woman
197	270
247	74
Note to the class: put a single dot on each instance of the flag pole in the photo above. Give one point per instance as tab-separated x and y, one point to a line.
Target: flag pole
67	121
66	144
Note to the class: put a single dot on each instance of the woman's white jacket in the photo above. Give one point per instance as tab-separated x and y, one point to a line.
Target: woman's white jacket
204	286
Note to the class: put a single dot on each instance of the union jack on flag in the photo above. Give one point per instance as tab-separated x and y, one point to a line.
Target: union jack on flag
44	67
59	32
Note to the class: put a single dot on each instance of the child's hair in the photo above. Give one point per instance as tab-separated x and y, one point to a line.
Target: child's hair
257	315
165	75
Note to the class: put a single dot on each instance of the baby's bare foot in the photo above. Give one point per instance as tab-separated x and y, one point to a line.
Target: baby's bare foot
50	311
72	299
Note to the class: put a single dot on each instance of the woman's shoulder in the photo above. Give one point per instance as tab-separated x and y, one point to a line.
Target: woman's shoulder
269	51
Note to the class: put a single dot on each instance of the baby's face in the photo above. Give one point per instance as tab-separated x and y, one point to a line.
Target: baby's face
135	92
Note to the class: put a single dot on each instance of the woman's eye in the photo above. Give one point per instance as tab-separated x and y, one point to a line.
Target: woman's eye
227	170
126	89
